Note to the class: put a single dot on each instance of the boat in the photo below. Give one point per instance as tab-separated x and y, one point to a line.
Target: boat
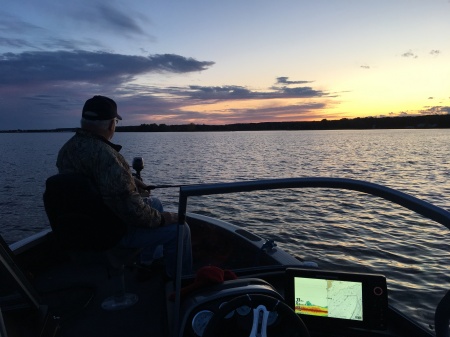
244	285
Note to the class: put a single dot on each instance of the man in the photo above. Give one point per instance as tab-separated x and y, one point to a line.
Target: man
91	153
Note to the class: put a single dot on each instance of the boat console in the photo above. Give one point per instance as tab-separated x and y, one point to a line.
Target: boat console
310	301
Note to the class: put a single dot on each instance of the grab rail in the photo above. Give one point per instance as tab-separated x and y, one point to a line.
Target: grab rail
419	206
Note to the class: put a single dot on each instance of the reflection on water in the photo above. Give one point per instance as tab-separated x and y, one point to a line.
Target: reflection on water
335	228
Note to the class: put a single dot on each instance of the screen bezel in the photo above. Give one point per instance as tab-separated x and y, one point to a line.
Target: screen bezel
374	306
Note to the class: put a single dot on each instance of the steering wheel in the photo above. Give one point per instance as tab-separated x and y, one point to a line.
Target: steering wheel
262	305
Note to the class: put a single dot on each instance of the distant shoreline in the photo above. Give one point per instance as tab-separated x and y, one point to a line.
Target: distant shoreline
405	122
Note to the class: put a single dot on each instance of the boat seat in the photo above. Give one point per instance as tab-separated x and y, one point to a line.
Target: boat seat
77	214
88	230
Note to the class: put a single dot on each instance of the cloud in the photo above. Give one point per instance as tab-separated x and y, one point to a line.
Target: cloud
43	42
221	105
16	34
409	54
70	45
435	52
12	25
59	105
117	20
9	42
302	92
12	31
231	115
435	110
285	80
287	91
365	67
108	17
239	93
91	67
49	43
89	18
46	89
272	113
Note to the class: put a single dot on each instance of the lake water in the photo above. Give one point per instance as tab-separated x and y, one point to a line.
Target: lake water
331	227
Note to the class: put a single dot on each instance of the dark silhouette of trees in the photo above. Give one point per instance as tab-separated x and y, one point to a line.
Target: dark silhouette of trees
404	122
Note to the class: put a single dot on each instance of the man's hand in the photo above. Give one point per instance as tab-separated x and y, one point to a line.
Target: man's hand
139	184
142	186
169	218
143	189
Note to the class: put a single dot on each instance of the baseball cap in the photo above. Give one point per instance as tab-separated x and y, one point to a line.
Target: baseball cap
100	108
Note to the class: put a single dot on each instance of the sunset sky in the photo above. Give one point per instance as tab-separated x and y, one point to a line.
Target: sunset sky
222	62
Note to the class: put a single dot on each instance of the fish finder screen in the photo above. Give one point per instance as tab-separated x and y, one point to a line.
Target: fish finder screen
328	298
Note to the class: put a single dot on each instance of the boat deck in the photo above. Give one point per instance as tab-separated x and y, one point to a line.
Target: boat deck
75	292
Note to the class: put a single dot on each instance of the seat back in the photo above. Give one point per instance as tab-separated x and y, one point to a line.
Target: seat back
78	216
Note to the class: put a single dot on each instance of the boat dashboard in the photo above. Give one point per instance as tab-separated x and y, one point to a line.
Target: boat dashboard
294	302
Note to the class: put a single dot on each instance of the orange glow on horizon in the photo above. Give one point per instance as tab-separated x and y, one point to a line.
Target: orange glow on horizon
345	105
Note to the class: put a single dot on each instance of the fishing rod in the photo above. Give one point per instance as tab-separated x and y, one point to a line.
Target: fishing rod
138	166
152	187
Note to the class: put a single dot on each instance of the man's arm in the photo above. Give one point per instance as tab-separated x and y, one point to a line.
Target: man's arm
119	192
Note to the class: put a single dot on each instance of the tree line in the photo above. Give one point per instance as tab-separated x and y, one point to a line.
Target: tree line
413	122
359	123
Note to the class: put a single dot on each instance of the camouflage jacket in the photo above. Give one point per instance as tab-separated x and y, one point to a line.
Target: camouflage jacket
101	161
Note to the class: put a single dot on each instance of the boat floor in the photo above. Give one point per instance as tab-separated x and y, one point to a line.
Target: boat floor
75	292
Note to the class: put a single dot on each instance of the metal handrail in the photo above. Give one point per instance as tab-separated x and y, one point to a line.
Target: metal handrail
419	206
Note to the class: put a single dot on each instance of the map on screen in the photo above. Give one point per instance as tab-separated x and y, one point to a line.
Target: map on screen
328	298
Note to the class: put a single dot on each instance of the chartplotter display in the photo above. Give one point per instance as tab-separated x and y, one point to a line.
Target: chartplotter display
337	298
328	298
